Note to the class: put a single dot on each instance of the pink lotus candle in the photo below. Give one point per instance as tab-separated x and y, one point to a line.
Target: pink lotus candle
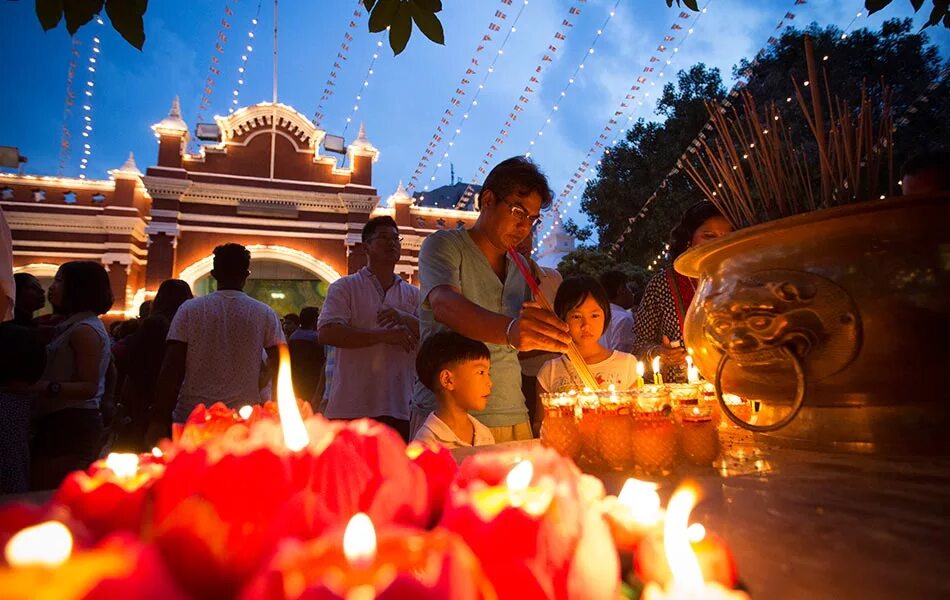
537	535
393	563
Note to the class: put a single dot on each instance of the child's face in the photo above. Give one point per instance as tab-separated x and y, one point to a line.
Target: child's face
472	384
586	321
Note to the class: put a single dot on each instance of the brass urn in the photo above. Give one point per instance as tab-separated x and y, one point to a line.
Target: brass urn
837	321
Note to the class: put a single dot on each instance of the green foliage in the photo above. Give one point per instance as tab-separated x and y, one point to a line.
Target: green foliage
580	234
633	170
126	16
594	262
399	15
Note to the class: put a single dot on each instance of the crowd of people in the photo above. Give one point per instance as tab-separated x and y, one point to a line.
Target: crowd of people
461	360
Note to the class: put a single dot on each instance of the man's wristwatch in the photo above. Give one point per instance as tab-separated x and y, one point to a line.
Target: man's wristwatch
53	388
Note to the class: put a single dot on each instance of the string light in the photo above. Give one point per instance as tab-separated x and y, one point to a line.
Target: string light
454	102
242	67
562	204
220	43
338	63
534	82
570	81
92	62
696	143
65	144
362	91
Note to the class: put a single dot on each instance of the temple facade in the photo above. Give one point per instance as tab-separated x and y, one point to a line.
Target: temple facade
264	184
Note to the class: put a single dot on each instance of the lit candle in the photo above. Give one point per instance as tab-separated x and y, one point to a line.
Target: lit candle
692	372
366	564
657	374
633	513
641	371
110	495
700	440
687	563
43	562
559	428
295	433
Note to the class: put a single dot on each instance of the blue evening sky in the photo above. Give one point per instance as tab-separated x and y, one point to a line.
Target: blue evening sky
406	95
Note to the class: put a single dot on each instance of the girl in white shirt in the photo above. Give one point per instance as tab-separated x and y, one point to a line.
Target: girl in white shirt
582	303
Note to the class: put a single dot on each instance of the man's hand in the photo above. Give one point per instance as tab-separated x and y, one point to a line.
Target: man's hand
670	356
399	336
539	329
389	316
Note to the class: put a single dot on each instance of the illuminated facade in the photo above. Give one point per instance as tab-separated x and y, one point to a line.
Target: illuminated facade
265	185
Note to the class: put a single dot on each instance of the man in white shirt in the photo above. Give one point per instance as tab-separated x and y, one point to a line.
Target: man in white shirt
215	344
371	318
619	335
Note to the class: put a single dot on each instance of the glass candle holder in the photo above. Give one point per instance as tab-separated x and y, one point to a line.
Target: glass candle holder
653	441
683	394
615	430
699	436
559	430
589	404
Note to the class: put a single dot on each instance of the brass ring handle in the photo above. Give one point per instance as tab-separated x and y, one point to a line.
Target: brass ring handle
796	403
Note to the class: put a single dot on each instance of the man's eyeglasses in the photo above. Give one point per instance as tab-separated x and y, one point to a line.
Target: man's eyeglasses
521	214
388	238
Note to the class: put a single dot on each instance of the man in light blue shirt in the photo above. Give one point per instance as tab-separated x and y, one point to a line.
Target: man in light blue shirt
470	285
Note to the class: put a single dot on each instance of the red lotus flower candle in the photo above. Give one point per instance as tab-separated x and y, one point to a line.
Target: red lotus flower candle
43	563
537	535
393	563
685	561
439	467
110	495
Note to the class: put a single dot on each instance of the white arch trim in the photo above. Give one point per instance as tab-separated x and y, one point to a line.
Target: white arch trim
38	269
192	273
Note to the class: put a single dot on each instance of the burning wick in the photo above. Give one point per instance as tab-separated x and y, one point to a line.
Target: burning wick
245	412
687	575
48	545
657	375
359	541
157	452
643	501
641	371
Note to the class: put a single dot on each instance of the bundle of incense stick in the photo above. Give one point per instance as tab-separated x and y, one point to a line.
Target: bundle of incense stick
587	378
754	172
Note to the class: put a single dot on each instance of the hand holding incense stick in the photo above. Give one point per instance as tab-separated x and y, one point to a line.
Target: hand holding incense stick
587	378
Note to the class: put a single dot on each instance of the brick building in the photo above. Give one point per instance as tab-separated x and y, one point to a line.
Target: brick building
265	184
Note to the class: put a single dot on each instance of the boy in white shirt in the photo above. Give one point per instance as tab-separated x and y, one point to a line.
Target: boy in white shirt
457	370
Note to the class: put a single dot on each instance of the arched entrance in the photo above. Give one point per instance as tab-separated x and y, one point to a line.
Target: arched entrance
284	278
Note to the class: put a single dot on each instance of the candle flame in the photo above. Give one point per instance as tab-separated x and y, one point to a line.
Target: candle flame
684	565
519	478
157	452
689	360
245	412
295	433
641	368
656	364
123	464
359	541
48	544
642	499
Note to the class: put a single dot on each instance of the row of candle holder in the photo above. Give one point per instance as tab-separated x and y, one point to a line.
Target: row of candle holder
649	428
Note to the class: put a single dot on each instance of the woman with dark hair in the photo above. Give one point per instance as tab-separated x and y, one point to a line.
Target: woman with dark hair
141	363
67	424
659	322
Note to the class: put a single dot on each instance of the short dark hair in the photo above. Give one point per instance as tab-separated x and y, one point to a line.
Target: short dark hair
443	350
937	161
22	354
22	278
172	293
292	317
375	223
232	260
613	281
573	292
518	175
309	316
86	287
692	218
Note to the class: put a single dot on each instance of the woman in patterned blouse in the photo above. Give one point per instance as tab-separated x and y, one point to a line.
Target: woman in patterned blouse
659	322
